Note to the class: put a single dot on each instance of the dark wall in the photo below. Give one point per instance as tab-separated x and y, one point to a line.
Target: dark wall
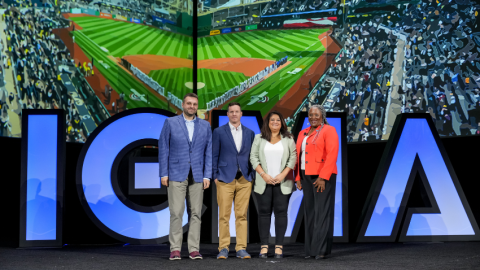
363	160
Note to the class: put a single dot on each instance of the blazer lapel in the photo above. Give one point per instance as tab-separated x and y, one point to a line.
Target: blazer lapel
196	127
261	155
286	152
244	136
182	125
230	136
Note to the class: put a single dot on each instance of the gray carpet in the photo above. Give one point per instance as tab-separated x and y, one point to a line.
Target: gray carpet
456	255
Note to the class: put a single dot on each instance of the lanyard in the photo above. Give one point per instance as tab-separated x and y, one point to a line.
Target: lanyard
316	135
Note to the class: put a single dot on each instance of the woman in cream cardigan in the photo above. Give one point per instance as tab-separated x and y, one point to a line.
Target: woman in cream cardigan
273	156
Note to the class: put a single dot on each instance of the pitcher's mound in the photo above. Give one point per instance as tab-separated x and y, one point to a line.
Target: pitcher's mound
200	85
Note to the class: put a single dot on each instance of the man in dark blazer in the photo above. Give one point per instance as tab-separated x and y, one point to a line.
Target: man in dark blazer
233	174
185	160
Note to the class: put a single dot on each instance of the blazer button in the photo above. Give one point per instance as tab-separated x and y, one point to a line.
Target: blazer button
306	152
307	143
306	161
190	152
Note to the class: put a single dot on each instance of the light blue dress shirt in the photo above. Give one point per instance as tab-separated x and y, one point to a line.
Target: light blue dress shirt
190	126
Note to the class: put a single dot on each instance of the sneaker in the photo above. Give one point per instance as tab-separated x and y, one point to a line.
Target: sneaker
223	254
242	254
175	255
195	255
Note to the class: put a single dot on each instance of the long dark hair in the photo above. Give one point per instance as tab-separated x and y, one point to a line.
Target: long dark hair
267	133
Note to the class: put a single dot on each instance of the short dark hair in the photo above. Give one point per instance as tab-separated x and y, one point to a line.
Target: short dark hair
190	95
234	104
267	133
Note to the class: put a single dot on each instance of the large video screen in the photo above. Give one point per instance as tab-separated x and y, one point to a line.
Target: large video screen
266	55
371	59
94	59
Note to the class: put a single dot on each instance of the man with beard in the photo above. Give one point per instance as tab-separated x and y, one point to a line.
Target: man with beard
185	161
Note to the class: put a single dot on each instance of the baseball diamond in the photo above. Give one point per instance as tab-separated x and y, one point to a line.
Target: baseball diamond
104	40
302	47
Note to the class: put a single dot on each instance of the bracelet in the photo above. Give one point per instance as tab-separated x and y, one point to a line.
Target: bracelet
262	174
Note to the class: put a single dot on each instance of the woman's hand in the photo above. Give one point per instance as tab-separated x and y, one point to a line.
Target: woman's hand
279	178
319	184
268	179
299	184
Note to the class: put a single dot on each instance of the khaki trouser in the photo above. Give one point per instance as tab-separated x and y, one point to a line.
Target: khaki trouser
177	193
238	191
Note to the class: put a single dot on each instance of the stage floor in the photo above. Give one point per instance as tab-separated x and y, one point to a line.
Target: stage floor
456	255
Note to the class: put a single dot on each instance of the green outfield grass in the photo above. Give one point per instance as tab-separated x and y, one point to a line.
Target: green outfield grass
216	82
271	44
118	78
277	85
303	48
174	80
122	38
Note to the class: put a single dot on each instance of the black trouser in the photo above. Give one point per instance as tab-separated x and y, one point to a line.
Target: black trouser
272	198
319	215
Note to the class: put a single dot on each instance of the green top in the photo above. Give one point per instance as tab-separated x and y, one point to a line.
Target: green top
289	159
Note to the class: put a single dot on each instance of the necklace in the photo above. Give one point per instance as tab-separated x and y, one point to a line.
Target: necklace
316	135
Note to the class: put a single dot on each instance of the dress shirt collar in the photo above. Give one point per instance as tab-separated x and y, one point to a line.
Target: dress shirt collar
188	121
232	128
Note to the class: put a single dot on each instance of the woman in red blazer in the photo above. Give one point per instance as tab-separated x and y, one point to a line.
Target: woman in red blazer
317	148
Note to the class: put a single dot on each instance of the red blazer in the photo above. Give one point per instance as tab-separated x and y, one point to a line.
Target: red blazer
321	157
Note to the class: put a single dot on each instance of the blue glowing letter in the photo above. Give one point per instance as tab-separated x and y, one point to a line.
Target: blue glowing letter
415	146
43	154
251	123
339	224
96	175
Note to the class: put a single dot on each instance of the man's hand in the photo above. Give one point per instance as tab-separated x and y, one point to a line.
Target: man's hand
319	184
165	181
299	185
216	181
206	183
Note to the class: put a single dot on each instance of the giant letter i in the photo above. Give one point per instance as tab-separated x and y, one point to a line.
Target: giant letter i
42	178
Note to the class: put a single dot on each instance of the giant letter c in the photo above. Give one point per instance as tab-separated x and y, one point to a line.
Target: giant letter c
94	178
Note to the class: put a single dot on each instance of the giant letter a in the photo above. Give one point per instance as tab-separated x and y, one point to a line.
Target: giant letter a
415	147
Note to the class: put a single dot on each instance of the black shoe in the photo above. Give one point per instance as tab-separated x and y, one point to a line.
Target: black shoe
320	257
308	257
278	256
263	255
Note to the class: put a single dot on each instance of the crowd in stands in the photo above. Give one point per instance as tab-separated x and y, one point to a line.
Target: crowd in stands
170	17
232	22
421	58
39	61
294	6
136	9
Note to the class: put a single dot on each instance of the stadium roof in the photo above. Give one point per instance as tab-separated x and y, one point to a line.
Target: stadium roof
161	10
230	3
